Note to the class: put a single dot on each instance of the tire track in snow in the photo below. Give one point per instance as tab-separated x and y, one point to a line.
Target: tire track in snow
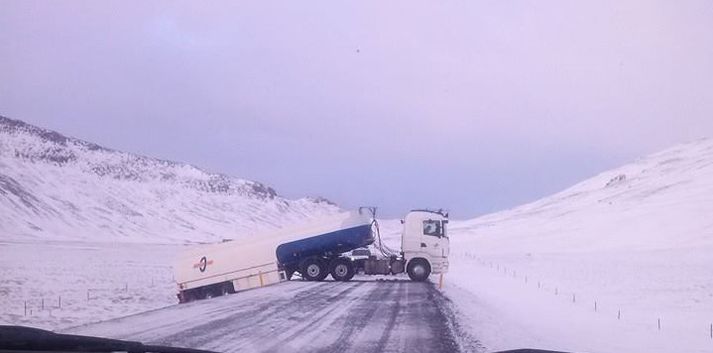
319	317
213	331
357	316
394	312
355	321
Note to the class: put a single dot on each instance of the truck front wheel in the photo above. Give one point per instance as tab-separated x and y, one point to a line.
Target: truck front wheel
342	269
313	269
418	270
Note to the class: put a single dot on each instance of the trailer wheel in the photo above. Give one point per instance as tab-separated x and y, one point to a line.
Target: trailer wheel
342	269
313	269
418	270
225	289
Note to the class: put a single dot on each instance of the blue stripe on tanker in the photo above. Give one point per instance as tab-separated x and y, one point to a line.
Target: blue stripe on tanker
336	242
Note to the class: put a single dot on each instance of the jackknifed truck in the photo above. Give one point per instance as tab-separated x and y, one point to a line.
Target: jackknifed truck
314	251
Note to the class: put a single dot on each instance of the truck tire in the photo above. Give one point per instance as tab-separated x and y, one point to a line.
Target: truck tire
342	269
418	270
314	269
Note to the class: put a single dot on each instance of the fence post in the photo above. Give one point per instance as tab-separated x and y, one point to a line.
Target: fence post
595	306
557	291
25	307
43	303
659	323
574	299
126	287
618	314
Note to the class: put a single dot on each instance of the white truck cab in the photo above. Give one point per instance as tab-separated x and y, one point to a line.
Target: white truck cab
425	244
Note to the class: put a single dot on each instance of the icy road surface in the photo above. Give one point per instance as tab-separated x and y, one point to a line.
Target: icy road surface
357	316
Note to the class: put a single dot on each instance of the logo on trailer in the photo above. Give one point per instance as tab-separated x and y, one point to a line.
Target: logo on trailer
203	264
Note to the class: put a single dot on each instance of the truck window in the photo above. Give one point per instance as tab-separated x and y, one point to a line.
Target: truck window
432	228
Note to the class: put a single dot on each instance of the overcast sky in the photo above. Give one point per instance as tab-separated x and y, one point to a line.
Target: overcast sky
473	106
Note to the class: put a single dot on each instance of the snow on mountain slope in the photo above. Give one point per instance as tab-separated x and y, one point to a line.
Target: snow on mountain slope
54	187
659	202
637	240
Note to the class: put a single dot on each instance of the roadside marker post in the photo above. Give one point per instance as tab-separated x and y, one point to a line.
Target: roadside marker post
440	282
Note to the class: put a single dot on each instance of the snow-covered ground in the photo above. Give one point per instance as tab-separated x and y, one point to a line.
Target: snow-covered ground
637	240
65	284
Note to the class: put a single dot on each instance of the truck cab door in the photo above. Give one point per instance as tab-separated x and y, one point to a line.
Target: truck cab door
433	239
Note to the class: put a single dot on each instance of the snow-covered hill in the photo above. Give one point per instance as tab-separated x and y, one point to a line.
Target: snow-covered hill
661	201
637	240
54	187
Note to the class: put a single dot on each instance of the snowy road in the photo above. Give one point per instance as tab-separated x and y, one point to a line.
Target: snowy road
358	316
